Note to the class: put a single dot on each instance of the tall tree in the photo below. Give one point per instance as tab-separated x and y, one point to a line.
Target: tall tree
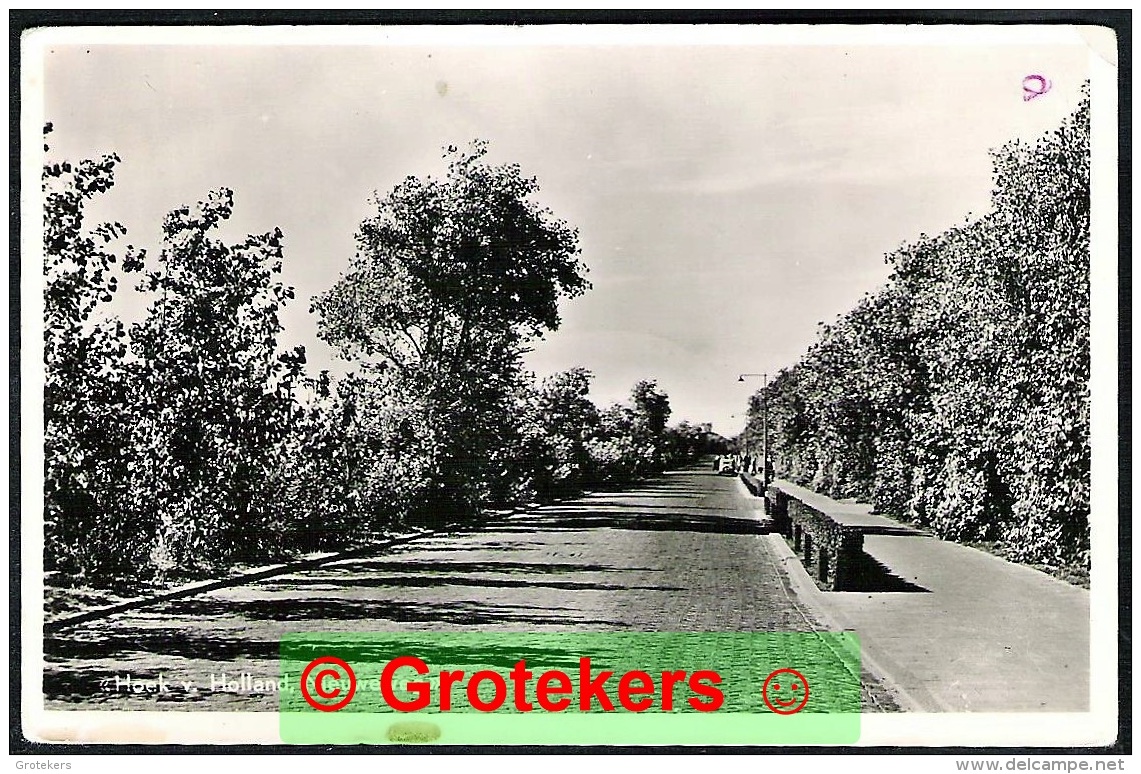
651	413
86	422
216	398
450	280
567	416
958	394
453	270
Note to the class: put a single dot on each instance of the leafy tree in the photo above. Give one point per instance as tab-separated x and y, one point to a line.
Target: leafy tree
454	270
651	408
567	416
651	412
353	465
450	280
195	443
630	439
574	445
86	422
686	442
613	449
215	399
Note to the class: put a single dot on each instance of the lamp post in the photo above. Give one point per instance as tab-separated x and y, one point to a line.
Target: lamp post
764	426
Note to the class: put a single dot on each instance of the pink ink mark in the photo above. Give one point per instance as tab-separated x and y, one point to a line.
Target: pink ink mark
1034	86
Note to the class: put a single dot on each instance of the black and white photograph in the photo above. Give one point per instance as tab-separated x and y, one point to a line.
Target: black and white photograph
546	330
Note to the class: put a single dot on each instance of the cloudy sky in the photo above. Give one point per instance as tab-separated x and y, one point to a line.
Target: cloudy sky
729	194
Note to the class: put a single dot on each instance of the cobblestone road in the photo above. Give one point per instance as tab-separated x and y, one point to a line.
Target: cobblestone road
680	553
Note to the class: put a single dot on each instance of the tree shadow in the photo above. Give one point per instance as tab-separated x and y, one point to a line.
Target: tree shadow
901	530
637	519
631	498
431	581
176	643
445	565
336	609
638	506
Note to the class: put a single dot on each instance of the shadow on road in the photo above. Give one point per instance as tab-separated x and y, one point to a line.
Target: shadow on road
431	581
636	518
447	565
640	506
224	630
900	531
184	644
338	609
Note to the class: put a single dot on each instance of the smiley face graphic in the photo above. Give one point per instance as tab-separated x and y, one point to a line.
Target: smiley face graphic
785	691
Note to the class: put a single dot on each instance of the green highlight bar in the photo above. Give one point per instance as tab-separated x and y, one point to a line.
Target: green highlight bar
570	688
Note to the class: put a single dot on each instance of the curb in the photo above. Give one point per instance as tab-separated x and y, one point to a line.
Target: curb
757	515
248	576
805	589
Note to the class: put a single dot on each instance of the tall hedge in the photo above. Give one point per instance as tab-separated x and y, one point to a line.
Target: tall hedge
957	395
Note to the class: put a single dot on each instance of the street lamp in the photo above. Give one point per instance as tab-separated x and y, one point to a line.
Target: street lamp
764	426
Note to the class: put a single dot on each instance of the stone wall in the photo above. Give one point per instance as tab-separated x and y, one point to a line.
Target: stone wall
776	505
830	551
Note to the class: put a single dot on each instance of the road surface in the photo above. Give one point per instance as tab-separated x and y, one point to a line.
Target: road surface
680	553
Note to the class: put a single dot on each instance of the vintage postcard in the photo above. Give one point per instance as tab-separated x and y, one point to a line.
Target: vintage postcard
705	385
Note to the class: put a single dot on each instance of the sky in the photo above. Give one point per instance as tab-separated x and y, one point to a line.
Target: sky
729	195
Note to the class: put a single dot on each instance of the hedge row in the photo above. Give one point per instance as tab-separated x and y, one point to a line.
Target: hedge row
957	395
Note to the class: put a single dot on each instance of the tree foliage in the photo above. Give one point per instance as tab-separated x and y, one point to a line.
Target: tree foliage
189	442
86	389
213	401
958	394
451	278
163	444
452	272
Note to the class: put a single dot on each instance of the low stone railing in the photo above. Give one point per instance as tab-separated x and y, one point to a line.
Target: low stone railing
831	551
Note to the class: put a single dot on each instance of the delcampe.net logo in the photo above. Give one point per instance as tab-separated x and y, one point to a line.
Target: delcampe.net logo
597	688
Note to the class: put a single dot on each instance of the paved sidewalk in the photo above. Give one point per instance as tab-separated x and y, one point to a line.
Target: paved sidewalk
972	632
